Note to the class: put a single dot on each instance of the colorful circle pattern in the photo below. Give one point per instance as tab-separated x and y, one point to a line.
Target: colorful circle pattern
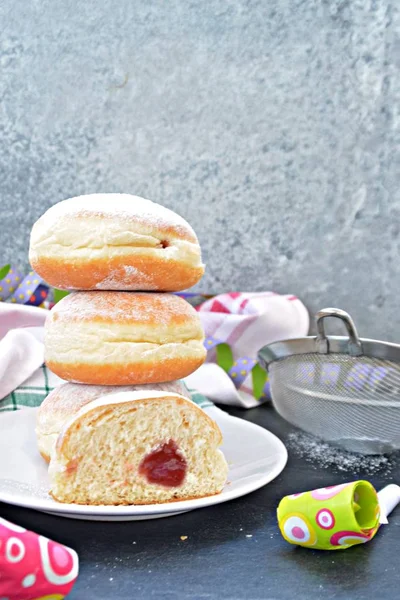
296	529
328	492
350	538
325	518
33	567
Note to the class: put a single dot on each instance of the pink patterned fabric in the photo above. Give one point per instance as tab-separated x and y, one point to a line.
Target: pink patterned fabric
246	321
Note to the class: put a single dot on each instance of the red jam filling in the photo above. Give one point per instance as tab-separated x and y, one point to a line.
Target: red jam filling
164	466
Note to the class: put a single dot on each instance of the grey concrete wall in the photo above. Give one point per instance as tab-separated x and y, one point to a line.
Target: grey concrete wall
271	125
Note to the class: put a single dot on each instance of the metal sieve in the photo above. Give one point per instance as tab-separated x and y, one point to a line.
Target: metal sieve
345	390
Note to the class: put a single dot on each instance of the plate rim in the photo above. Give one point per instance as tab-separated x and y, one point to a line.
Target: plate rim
60	509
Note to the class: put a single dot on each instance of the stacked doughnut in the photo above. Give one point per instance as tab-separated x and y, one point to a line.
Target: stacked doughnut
124	429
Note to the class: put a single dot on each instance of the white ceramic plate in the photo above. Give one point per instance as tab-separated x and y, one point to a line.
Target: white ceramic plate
255	457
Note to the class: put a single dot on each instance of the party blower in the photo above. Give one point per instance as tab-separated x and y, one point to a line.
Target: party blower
33	567
336	517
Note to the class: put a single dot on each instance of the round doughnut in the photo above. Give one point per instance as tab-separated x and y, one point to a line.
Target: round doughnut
123	338
67	399
115	242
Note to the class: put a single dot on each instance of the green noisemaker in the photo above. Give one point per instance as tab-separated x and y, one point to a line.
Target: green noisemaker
336	517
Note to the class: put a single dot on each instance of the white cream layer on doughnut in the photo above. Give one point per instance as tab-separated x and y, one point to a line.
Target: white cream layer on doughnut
102	343
97	239
117	224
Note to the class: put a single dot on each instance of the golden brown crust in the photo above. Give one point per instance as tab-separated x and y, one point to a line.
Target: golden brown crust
90	274
147	503
125	374
45	456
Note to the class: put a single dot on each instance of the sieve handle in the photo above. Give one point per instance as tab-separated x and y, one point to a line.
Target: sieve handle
322	342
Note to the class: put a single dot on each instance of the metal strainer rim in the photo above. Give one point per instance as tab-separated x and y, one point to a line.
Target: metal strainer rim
323	344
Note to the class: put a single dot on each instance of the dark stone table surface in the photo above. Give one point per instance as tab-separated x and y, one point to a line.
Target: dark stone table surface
147	559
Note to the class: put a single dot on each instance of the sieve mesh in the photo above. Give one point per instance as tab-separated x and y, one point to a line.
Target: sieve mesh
351	401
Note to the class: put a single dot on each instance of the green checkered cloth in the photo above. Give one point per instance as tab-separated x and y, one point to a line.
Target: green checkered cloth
35	389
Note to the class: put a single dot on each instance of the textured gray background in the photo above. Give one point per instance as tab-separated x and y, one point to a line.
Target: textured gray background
272	125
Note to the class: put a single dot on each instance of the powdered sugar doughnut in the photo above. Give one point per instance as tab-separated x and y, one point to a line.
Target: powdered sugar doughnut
115	242
123	338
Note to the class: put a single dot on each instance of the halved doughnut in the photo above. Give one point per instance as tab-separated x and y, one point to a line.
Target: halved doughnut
137	448
67	399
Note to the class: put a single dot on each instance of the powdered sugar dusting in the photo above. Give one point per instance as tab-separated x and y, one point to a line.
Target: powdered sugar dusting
322	455
131	276
124	307
122	206
39	492
133	272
